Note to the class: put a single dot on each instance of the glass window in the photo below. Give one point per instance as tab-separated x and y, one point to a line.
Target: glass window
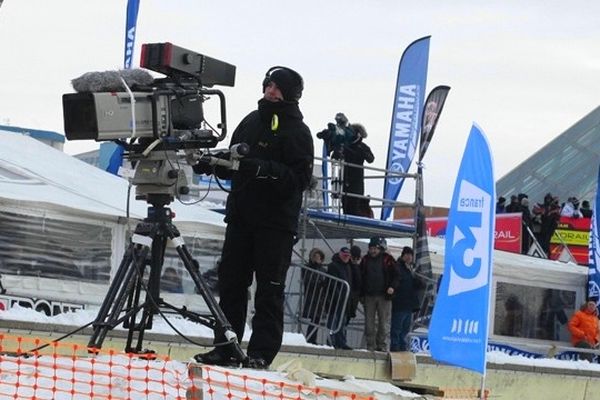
51	248
533	312
176	279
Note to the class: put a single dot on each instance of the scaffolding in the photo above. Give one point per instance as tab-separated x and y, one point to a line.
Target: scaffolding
322	218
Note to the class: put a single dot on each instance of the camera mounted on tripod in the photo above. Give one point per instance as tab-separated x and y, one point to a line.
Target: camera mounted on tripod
151	118
157	121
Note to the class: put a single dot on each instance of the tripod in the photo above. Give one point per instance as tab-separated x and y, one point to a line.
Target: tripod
144	254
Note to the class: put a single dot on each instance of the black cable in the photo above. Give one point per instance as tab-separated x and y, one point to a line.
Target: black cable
157	308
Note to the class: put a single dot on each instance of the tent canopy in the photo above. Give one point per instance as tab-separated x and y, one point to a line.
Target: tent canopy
34	175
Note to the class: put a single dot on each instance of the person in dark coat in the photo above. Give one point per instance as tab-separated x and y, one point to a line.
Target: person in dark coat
501	205
312	280
262	217
527	224
379	280
356	152
514	206
586	211
340	268
355	258
405	300
550	214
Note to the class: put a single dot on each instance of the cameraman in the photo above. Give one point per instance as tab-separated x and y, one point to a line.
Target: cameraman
262	217
356	152
336	136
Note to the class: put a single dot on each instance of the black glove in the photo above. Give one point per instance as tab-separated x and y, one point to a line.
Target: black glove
254	167
203	168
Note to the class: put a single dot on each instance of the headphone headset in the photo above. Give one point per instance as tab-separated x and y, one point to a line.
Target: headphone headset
296	89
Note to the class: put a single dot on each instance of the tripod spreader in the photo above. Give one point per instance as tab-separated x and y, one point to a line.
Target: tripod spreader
144	254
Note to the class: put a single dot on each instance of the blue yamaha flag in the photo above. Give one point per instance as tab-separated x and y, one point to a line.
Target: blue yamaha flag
130	26
594	271
458	332
406	116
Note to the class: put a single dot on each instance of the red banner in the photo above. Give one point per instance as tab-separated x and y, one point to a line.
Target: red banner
573	232
507	234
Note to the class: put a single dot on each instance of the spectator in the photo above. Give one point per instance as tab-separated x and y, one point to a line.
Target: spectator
526	221
171	281
405	300
355	257
583	326
571	208
549	213
379	278
340	268
512	325
313	293
501	205
356	152
586	211
514	206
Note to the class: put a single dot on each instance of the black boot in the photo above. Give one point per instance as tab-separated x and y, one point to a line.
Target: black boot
255	363
217	356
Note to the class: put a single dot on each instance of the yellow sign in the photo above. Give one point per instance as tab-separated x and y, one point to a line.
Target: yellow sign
571	238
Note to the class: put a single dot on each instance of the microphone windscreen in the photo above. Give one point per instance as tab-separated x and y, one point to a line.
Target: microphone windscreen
110	81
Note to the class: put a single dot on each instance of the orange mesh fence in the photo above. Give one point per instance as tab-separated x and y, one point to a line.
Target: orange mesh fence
68	371
464	393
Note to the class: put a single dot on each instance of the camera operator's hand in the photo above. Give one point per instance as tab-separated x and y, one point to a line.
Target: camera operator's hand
203	168
254	167
323	134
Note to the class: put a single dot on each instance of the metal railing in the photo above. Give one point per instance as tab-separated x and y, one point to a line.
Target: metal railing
315	300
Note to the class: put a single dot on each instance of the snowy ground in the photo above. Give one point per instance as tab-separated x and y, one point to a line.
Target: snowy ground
83	317
176	370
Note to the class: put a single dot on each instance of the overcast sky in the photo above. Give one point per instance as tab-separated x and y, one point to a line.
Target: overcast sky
524	71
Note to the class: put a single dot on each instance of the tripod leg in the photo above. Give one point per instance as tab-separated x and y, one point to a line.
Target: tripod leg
119	290
222	325
152	301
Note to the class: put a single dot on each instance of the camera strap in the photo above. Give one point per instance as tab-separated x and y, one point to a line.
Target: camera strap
132	99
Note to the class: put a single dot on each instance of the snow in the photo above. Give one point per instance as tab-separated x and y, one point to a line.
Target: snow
82	317
176	371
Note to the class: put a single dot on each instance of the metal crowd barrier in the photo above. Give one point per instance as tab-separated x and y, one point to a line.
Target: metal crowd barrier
315	300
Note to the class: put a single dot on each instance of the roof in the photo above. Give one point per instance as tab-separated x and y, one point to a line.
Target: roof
565	167
35	133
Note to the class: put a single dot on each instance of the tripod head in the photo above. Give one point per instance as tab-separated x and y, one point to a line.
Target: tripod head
159	178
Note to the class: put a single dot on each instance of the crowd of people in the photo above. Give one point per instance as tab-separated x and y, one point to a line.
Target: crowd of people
541	220
386	287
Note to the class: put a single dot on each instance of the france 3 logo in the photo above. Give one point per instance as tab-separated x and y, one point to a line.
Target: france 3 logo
471	240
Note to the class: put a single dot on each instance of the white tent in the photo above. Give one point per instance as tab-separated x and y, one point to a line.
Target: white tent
53	206
34	175
532	298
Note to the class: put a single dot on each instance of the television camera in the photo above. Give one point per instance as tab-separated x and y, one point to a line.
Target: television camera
337	136
159	117
155	121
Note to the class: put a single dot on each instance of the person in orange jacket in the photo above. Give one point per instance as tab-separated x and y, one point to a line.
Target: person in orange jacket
583	326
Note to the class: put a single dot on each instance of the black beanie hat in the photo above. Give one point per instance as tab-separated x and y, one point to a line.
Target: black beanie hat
407	250
288	81
355	251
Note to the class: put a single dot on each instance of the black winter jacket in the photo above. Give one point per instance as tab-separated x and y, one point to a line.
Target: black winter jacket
390	274
405	294
284	143
354	178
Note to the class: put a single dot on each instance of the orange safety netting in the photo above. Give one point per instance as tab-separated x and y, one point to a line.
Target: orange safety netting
68	371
